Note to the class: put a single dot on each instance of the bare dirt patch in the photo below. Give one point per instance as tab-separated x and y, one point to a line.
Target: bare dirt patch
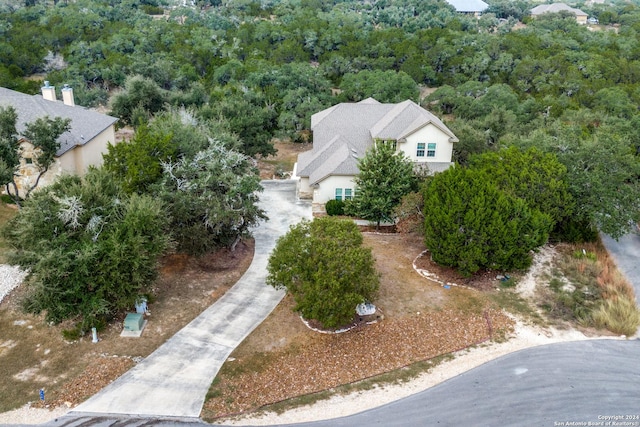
35	355
281	165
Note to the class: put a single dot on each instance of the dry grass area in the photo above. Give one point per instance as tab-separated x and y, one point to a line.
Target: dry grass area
34	355
586	287
282	163
283	359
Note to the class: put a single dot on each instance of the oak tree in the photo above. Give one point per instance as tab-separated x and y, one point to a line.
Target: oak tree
324	266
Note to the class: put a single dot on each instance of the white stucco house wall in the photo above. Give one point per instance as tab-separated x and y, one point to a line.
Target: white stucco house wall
81	147
343	133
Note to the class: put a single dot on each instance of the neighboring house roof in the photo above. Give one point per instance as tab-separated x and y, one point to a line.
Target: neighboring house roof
555	8
468	6
343	133
85	124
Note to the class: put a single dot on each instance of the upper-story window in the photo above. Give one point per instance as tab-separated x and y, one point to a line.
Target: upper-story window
431	149
420	150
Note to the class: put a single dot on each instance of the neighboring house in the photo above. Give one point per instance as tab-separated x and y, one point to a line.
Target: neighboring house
82	146
581	17
471	7
343	133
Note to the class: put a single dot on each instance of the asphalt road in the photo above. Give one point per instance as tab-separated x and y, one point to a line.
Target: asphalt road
577	382
567	382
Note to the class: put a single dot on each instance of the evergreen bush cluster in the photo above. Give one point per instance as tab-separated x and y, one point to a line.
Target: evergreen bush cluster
334	207
470	224
324	266
91	249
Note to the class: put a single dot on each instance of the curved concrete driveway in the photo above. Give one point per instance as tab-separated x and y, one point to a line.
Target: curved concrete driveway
576	382
173	380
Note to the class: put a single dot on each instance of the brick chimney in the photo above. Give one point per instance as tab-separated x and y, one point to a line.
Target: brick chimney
49	92
67	96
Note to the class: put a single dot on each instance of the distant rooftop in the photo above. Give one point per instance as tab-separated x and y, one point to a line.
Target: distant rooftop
555	8
85	124
468	6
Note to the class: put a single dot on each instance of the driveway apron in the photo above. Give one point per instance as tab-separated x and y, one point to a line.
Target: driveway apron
173	381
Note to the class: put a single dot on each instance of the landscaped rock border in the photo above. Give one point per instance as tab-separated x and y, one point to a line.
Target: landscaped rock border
434	277
354	325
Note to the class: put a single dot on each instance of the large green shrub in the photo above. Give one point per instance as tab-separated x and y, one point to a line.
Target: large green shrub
334	207
532	175
470	224
324	266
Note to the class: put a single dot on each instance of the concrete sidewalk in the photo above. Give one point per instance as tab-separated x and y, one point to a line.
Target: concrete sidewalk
173	380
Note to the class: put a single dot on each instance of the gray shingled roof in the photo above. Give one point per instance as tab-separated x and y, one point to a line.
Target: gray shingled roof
343	133
555	8
468	6
405	118
85	124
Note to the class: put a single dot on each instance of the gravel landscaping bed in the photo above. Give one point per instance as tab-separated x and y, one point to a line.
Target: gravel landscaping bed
10	277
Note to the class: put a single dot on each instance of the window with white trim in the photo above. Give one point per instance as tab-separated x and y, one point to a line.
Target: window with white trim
344	193
431	149
420	150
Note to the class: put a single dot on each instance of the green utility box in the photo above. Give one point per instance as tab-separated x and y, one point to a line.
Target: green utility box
133	322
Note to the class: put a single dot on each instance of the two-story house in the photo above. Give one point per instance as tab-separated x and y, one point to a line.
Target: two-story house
343	133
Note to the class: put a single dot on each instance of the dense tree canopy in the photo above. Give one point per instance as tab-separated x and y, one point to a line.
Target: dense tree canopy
384	86
470	224
324	266
211	198
385	177
602	175
259	70
90	249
